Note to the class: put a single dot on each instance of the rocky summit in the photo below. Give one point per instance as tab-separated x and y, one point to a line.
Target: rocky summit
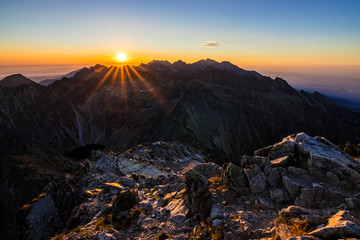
300	188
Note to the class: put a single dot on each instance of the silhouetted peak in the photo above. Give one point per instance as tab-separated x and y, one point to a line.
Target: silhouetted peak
99	67
206	62
316	93
15	80
278	79
179	63
160	62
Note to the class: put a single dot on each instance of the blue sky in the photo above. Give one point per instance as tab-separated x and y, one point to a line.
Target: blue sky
268	36
158	25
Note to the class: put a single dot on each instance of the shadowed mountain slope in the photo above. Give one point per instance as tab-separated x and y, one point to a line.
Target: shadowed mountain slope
227	110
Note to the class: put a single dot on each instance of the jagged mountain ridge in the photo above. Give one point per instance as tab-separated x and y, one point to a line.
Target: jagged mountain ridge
225	109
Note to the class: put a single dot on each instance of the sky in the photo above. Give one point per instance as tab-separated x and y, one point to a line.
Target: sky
310	42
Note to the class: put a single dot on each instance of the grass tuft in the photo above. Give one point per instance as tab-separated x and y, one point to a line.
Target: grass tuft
297	227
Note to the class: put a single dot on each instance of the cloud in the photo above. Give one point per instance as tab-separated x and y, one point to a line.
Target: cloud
212	44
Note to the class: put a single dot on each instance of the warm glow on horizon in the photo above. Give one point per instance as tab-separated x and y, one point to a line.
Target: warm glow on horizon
121	57
320	40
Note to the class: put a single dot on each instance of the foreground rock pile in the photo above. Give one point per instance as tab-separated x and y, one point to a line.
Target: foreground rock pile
301	186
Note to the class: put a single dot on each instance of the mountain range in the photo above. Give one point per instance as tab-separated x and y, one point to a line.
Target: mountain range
157	152
218	106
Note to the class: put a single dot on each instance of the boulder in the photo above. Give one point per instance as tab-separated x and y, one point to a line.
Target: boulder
297	212
292	187
342	224
281	149
216	211
234	178
256	179
264	152
123	202
43	220
274	177
197	196
262	162
128	166
127	181
208	170
66	194
265	203
278	195
310	196
324	155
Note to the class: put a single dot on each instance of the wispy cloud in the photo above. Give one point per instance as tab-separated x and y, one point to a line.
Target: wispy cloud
212	44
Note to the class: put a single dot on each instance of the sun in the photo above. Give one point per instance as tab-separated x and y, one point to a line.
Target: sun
121	57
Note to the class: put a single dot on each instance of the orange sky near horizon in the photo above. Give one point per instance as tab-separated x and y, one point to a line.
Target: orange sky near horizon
272	37
20	57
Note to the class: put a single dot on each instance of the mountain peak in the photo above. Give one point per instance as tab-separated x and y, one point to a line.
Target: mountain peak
225	65
15	80
206	62
161	62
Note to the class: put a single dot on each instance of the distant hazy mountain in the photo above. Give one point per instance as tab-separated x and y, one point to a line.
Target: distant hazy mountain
15	80
47	82
351	105
227	110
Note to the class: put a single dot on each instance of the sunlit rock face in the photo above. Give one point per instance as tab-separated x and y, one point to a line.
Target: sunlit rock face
227	110
302	187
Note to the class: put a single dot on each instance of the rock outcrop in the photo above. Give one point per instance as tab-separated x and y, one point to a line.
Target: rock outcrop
171	190
22	179
341	225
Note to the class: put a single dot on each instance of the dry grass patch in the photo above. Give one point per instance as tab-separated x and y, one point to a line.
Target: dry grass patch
102	223
296	226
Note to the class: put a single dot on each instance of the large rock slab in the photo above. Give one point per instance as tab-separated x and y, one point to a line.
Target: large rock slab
256	178
310	196
208	170
323	154
291	186
320	157
342	224
42	221
284	148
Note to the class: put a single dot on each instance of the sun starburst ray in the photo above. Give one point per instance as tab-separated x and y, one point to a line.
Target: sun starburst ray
152	90
133	86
